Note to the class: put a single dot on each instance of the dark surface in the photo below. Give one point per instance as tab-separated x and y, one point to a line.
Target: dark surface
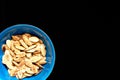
81	33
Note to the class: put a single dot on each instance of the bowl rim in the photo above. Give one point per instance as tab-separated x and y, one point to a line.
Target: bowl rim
40	30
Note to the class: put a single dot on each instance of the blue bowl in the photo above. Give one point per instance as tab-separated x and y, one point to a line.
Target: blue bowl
26	28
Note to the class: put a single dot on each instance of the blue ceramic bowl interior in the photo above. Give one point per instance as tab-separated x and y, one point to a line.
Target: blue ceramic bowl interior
26	28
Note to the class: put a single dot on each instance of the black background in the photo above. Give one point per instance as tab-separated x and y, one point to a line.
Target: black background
82	33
